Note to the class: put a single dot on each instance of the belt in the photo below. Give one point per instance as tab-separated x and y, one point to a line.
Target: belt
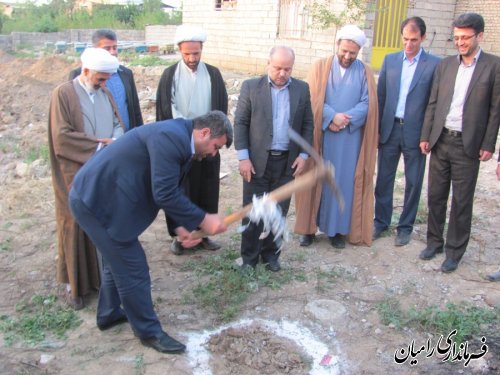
278	152
399	120
453	133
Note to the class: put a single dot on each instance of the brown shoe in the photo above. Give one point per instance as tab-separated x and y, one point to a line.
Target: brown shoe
176	247
208	244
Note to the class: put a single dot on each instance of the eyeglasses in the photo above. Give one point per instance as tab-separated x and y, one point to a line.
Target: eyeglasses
464	37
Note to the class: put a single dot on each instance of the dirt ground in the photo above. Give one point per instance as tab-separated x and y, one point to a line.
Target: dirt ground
301	328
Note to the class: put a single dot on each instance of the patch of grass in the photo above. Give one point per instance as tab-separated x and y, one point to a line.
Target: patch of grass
37	318
139	364
6	244
37	152
422	213
222	287
150	60
327	278
465	318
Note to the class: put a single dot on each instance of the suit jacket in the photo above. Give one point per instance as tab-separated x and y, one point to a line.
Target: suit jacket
133	107
253	123
164	92
481	112
128	182
388	88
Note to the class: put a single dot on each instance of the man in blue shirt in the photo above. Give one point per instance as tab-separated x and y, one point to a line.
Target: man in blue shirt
121	84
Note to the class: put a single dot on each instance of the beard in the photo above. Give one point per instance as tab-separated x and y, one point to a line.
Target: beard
90	88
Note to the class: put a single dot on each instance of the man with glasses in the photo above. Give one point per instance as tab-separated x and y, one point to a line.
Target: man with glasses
121	84
460	130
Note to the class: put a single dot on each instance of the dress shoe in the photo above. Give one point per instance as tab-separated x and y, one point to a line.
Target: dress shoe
164	344
449	265
273	266
495	276
428	253
402	239
176	247
106	326
306	240
338	241
377	233
208	244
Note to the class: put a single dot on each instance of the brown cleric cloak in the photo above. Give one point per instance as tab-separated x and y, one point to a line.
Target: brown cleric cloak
307	203
69	149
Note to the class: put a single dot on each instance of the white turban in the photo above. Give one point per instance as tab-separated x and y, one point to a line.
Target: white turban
354	33
100	60
187	33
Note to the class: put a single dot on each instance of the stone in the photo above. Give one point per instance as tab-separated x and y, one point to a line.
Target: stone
326	311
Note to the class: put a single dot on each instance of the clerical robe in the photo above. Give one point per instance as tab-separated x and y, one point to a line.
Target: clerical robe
69	148
355	145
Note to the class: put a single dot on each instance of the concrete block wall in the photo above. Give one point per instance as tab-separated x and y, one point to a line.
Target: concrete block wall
160	34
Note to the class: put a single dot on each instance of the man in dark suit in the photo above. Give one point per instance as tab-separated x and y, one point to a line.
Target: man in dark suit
460	128
188	89
266	108
403	91
117	194
121	84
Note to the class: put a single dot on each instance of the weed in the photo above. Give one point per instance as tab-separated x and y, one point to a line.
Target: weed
38	152
150	60
422	213
37	317
327	278
466	318
222	287
139	364
6	244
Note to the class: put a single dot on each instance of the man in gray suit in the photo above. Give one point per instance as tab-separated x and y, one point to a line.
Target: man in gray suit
266	108
403	91
460	128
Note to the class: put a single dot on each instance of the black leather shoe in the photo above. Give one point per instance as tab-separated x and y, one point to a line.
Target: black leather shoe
377	233
106	326
338	241
176	247
208	244
306	240
428	253
164	344
402	239
449	265
495	276
273	266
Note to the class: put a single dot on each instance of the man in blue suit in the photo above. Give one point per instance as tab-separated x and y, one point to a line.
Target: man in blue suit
117	195
404	87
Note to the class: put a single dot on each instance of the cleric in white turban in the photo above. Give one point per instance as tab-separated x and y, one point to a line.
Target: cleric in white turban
99	60
352	32
188	33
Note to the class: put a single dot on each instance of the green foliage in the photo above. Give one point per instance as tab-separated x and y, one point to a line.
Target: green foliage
6	244
465	318
61	14
324	17
37	152
149	60
36	318
222	287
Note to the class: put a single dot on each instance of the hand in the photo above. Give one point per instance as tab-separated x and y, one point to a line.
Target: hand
213	224
246	169
299	165
485	155
424	147
340	121
184	237
105	141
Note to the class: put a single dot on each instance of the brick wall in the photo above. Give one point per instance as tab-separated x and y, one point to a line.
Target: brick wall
239	39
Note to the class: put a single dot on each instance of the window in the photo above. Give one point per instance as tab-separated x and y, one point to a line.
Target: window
225	4
294	17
